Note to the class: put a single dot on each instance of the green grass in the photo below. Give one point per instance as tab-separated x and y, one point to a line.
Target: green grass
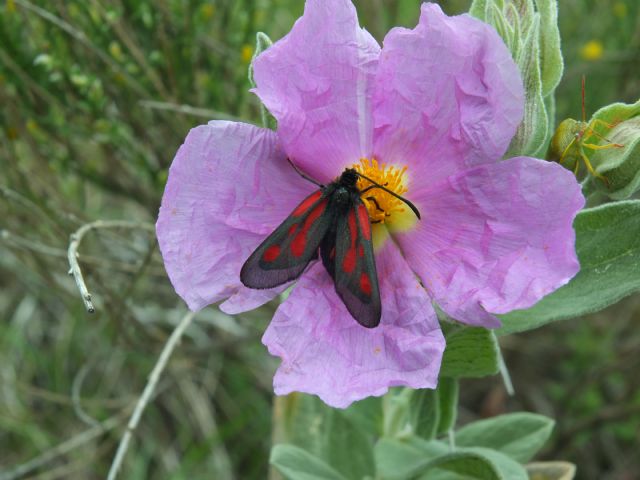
90	120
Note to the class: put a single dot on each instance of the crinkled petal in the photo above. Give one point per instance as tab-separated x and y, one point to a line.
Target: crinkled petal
496	238
229	185
317	82
448	96
326	352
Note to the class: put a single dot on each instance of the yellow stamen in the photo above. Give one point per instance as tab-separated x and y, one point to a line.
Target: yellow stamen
382	207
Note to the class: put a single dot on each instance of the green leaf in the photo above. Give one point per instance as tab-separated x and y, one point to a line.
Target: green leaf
476	464
298	464
448	391
518	435
424	413
347	448
551	63
496	18
366	415
335	436
478	9
415	458
395	406
470	352
608	247
402	459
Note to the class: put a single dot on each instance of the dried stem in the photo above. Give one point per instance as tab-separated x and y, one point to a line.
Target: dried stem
187	110
147	393
72	252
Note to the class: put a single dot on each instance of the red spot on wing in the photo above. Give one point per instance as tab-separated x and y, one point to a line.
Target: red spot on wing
349	260
363	220
307	203
365	284
299	243
271	253
292	229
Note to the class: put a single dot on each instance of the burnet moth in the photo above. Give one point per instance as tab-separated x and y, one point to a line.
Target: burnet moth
335	221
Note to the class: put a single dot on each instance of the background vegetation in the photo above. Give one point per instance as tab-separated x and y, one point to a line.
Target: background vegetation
96	96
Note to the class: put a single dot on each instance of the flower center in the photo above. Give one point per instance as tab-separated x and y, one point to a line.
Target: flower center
380	204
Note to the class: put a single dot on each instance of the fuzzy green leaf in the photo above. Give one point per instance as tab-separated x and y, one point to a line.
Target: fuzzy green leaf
608	247
424	413
448	391
347	448
413	458
298	464
517	435
402	459
478	9
476	464
470	352
551	63
335	436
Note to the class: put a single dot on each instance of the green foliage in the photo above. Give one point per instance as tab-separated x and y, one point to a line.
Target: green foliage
470	352
297	464
327	443
335	436
413	458
448	391
608	247
518	435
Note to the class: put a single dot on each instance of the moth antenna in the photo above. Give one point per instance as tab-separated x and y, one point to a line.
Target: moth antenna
413	208
304	175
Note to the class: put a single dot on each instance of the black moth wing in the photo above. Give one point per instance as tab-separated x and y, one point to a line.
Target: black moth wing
284	254
347	254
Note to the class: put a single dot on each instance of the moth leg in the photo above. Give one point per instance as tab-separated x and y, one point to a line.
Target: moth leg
371	187
304	175
375	202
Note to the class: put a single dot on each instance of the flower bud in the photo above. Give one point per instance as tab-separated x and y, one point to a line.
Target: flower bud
530	31
619	166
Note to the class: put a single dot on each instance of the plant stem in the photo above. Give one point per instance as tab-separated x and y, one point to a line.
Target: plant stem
74	244
147	393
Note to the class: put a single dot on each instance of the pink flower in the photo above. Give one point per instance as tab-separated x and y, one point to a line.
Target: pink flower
442	100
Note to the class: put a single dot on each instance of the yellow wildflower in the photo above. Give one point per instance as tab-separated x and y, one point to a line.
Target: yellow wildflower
592	50
620	9
246	53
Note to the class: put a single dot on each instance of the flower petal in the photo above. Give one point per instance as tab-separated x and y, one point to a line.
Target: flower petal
326	352
229	185
496	238
448	95
317	82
